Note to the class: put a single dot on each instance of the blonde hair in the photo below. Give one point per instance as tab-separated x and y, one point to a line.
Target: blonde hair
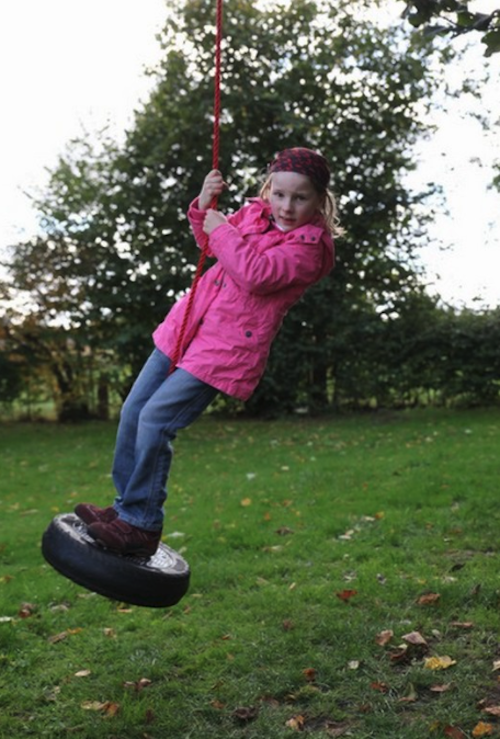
328	208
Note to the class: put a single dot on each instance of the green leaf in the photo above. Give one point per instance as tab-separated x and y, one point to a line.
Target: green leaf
492	41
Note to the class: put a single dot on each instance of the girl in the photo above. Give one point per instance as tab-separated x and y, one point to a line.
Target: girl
268	253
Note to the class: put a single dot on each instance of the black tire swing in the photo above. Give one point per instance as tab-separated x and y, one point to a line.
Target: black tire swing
163	579
157	582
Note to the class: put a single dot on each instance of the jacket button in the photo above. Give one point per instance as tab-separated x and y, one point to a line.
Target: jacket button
248	334
216	282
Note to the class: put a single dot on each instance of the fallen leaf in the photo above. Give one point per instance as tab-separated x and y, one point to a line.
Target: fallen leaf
296	723
440	688
309	674
347	536
492	710
106	707
415	638
83	673
399	654
381	687
454	732
439	663
346	595
353	664
57	637
284	531
217	704
288	625
336	728
482	729
428	599
111	709
462	624
246	502
496	665
384	637
26	610
410	697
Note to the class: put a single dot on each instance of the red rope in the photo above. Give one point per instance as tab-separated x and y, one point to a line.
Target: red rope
177	354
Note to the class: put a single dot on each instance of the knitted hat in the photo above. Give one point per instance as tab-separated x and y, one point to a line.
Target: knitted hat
303	161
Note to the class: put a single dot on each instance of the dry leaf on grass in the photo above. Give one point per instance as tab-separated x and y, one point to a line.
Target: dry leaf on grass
492	710
384	637
138	685
296	723
63	635
309	674
412	696
454	732
482	729
26	610
440	688
346	595
108	708
428	599
439	663
415	638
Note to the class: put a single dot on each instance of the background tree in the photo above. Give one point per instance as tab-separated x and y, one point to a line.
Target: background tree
454	19
116	249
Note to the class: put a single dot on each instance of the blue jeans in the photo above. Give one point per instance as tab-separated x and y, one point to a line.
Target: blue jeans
157	406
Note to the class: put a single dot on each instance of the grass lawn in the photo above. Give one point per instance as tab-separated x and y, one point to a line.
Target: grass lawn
344	584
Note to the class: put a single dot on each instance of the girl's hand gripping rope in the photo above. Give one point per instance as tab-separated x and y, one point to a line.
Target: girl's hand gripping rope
213	219
213	186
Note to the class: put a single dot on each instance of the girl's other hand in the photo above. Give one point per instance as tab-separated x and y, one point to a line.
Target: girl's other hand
213	219
212	187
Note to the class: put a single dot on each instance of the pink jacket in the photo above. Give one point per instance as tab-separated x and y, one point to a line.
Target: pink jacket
242	299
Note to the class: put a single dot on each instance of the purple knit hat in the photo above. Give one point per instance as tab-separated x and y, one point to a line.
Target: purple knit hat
303	161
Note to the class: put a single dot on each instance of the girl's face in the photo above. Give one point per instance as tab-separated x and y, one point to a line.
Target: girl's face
293	199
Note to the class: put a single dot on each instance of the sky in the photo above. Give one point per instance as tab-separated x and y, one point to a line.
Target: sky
70	66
